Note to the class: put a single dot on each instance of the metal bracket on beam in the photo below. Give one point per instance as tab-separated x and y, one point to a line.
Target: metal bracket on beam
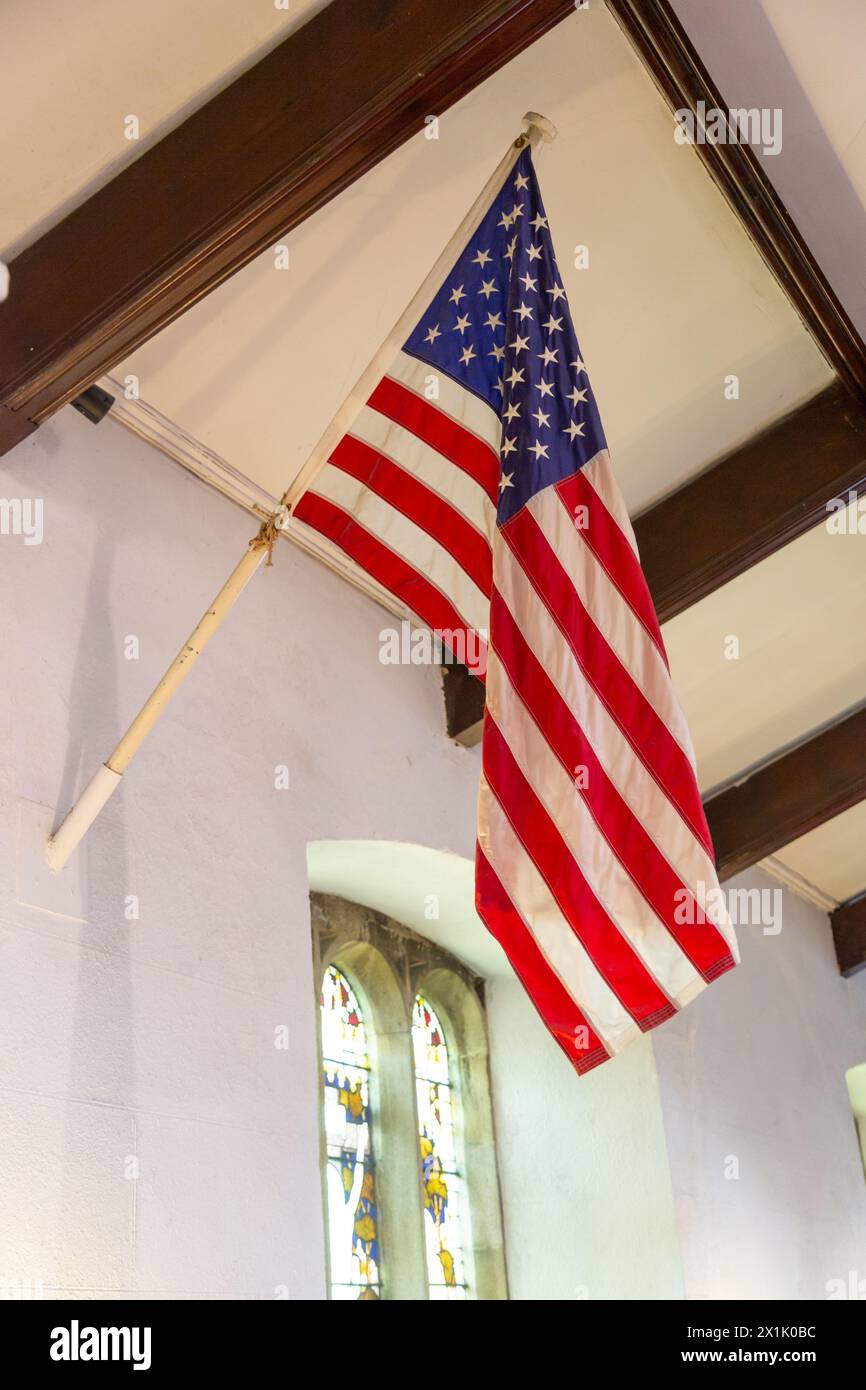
94	404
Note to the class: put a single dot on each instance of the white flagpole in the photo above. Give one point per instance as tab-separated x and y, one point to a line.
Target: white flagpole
110	774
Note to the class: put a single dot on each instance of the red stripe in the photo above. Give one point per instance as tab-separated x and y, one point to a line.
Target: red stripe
448	527
569	1026
392	572
613	957
645	730
613	551
446	436
638	853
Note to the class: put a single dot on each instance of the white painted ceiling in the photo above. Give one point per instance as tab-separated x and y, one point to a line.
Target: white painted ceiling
674	301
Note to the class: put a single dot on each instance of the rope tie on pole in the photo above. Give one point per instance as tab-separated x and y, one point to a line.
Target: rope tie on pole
270	530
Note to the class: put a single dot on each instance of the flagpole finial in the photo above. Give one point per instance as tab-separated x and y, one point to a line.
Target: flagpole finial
538	128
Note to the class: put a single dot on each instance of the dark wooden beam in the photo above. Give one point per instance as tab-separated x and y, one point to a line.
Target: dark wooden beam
813	782
849	934
464	704
758	499
670	57
292	132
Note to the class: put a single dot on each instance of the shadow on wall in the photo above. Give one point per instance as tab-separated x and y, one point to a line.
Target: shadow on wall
103	994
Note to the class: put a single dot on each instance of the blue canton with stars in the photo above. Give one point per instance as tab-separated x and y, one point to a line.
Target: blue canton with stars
500	326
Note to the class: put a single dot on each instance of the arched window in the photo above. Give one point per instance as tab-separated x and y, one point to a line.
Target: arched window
410	1188
442	1184
353	1223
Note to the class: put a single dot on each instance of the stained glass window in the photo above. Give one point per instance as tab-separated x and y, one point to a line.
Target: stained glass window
353	1221
443	1188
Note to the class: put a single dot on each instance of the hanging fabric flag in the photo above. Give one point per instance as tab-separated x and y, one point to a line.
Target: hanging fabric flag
470	477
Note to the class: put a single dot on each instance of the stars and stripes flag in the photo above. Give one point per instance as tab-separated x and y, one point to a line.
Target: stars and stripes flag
469	476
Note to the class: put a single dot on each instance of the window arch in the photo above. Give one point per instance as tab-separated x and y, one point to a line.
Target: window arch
426	1105
442	1183
353	1220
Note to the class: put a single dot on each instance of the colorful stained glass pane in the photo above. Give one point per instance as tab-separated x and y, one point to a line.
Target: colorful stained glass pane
444	1194
353	1219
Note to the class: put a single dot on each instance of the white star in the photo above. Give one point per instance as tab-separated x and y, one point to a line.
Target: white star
457	294
524	311
505	221
499	387
553	325
511	411
533	252
433	334
481	258
516	211
574	430
521	182
543	420
545	387
538	222
528	282
509	446
497	352
488	287
516	376
467	355
510	249
505	481
558	293
548	356
539	450
578	365
576	396
520	344
462	323
494	321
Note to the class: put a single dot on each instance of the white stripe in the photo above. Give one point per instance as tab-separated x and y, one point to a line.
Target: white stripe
608	879
553	934
464	406
653	808
439	474
600	476
407	540
614	618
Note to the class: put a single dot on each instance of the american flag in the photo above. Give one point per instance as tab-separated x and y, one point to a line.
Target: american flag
473	482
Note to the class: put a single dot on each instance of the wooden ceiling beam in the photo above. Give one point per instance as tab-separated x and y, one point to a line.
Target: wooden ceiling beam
849	934
317	112
813	782
750	504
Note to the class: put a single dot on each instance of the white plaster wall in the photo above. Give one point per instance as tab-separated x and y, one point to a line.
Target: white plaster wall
589	1210
755	1069
155	1038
